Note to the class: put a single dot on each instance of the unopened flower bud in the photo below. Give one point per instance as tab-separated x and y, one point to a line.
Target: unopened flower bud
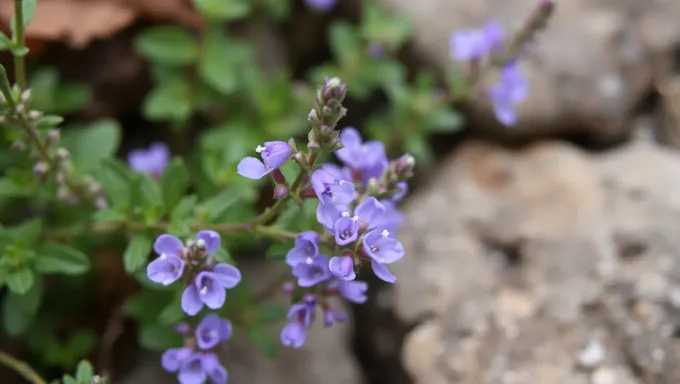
333	89
54	135
288	287
26	95
190	243
280	191
18	145
34	115
100	203
313	116
200	243
40	170
62	153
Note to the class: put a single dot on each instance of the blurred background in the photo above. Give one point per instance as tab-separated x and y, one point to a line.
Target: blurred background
547	252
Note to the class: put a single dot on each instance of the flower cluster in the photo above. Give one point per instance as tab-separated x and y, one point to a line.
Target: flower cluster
198	360
206	280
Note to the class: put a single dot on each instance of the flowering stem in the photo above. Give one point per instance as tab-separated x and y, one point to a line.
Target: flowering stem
21	368
19	42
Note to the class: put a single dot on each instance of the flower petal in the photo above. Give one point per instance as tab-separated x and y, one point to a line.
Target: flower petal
168	244
191	302
165	270
293	335
227	275
212	240
252	168
382	272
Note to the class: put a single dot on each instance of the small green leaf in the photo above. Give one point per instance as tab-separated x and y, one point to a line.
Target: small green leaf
116	180
20	280
10	188
148	195
184	208
174	183
137	252
68	379
171	100
221	60
158	337
61	259
28	232
19	310
70	98
108	216
445	120
264	341
266	314
28	8
223	256
49	121
225	10
168	44
92	143
5	41
345	43
146	305
84	372
20	51
278	251
172	313
217	207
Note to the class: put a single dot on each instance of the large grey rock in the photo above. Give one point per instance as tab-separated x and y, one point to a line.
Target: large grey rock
593	65
544	265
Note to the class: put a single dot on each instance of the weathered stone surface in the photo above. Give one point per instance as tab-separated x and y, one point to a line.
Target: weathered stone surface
325	357
596	61
544	265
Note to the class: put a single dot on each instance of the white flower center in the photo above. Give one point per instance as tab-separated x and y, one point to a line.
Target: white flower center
204	290
260	149
385	233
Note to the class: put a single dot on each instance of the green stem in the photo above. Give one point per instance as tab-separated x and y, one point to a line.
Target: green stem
21	368
19	41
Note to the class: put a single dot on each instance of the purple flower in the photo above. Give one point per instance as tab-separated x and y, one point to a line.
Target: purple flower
382	249
305	250
376	50
321	5
333	316
153	160
274	155
324	183
215	370
209	240
366	159
473	44
342	267
294	333
211	331
511	90
201	366
172	359
403	191
354	291
208	288
345	226
169	266
392	220
312	273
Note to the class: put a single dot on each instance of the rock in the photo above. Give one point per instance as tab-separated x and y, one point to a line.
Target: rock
544	265
588	70
325	357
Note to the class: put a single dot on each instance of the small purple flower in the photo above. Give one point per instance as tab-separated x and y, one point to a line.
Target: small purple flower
367	159
346	229
215	370
208	288
305	250
172	359
376	50
294	333
192	370
342	267
510	91
366	216
211	331
274	155
324	183
473	44
333	316
382	249
169	266
153	160
354	291
312	273
321	5
403	191
209	240
392	220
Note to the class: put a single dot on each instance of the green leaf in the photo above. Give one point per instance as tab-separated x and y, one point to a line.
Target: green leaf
277	9
225	10
168	44
48	121
217	208
174	183
92	143
148	196
84	372
61	259
70	98
158	337
28	232
68	379
108	216
10	188
20	51
171	100
116	180
345	43
137	252
278	251
28	12
222	255
264	341
445	120
172	313
19	281
5	41
270	313
146	305
221	61
18	310
184	208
